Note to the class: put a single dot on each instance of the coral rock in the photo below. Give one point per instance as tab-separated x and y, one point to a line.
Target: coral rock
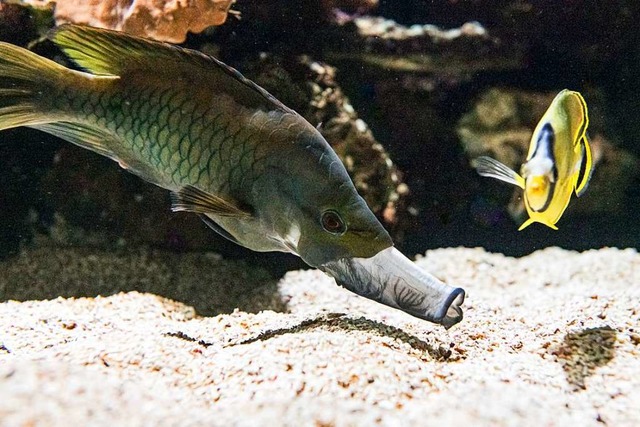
165	20
385	44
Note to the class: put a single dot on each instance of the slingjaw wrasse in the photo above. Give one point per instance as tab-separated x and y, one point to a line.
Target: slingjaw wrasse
254	170
558	164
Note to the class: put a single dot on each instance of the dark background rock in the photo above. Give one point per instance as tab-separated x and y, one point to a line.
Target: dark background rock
309	54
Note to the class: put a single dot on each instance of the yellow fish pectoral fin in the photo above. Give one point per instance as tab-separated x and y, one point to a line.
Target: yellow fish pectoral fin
586	168
486	166
192	199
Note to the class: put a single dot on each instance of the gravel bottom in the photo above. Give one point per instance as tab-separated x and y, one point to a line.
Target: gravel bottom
551	339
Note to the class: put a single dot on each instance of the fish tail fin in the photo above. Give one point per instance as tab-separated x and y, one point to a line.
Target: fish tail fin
33	93
26	84
530	221
525	224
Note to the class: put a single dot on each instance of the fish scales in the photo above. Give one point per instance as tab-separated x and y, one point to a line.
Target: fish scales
187	142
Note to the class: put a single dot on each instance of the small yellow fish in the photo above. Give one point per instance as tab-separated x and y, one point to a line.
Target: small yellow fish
559	161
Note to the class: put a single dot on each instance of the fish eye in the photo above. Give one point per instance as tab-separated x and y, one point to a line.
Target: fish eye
332	222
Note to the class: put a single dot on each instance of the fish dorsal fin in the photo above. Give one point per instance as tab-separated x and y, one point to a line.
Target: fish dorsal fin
108	52
575	109
570	107
192	199
486	166
586	168
568	110
105	52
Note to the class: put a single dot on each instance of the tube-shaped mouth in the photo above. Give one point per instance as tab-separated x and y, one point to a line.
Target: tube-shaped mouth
392	279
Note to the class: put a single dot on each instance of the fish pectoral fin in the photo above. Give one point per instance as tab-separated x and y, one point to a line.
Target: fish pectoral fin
486	166
192	199
586	168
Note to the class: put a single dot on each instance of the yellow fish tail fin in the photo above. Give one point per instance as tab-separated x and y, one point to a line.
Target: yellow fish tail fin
486	166
531	221
586	168
551	226
26	80
525	224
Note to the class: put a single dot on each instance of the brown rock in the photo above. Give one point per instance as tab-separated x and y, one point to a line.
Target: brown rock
165	20
456	52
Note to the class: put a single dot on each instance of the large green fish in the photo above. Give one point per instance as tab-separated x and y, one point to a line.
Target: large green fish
254	170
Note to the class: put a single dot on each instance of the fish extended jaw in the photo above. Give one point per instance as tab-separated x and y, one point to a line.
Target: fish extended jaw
393	280
452	310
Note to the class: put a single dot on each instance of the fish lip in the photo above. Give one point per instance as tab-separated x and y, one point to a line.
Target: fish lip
393	280
451	311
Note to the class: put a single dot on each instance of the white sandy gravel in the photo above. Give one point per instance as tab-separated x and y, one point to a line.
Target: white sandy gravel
551	339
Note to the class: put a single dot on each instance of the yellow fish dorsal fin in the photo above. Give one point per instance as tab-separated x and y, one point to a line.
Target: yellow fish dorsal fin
569	108
106	52
486	166
586	168
572	108
566	113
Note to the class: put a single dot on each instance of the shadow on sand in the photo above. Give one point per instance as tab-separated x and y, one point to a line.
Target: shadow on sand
204	281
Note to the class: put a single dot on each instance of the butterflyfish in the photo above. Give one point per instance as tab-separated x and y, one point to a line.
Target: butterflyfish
559	161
